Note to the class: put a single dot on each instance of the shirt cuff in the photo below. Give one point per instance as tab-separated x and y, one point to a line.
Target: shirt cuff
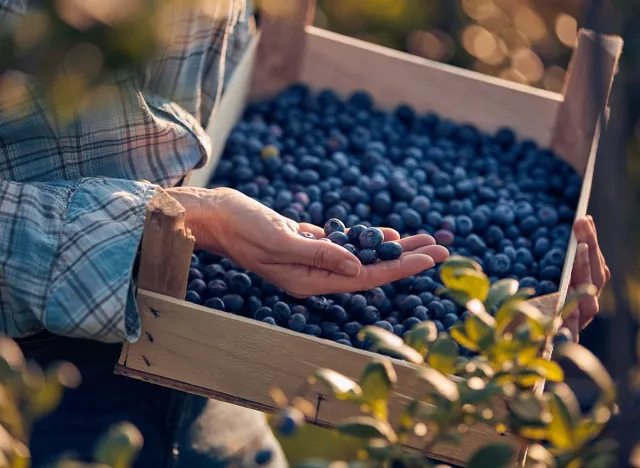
92	293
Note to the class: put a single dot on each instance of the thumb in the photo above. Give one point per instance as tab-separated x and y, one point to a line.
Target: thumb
322	254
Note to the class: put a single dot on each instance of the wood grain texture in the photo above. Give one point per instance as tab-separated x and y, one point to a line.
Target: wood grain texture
346	65
229	112
238	360
281	51
577	118
166	251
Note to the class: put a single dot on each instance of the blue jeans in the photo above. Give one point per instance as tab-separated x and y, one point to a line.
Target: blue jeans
180	430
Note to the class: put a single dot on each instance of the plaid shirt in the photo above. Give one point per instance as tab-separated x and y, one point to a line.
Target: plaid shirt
71	206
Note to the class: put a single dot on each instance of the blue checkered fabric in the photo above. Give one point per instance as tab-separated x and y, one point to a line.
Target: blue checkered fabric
73	197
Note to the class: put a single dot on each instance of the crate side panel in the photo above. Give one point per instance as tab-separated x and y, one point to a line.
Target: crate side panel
238	360
346	65
229	111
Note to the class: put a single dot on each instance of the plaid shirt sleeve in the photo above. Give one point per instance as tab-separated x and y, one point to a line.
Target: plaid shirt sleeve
71	211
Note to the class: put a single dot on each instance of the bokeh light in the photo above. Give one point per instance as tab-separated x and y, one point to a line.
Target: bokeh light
567	29
528	64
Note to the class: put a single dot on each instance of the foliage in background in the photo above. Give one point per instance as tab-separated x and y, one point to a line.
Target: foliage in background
28	393
512	339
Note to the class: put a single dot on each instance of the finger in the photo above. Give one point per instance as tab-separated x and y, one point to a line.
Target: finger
585	232
607	272
304	281
437	252
581	275
571	323
415	242
321	255
389	234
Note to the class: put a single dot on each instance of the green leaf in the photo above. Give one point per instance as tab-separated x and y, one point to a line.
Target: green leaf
377	381
571	303
421	336
590	365
442	355
500	291
442	384
560	429
469	281
365	427
494	456
119	447
342	387
527	407
390	344
550	370
457	333
524	293
511	310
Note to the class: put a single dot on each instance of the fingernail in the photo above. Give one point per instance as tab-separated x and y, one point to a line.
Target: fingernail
349	267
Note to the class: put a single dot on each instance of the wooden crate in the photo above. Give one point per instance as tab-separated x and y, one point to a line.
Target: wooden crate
235	359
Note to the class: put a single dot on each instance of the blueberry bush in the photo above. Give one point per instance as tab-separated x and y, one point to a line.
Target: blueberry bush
316	157
509	364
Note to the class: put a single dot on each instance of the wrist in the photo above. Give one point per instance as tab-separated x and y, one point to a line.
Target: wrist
200	214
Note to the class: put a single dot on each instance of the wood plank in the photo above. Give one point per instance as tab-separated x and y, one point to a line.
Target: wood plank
238	360
281	52
229	112
165	254
346	65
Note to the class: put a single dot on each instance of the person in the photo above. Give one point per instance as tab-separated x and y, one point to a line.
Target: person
72	208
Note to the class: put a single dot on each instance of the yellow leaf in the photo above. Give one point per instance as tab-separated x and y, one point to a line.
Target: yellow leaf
457	333
472	282
551	370
560	429
533	433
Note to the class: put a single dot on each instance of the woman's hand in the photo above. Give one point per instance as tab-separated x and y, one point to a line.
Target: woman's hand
229	223
589	268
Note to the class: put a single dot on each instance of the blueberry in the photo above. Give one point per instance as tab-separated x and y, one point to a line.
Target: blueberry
449	306
449	320
215	303
503	215
198	286
436	309
510	252
282	312
548	216
384	324
352	328
269	320
528	282
563	335
217	288
370	315
390	250
371	238
499	265
344	342
351	249
297	322
493	235
421	313
475	244
426	297
412	218
439	325
421	205
464	225
399	329
329	328
337	314
239	283
317	303
263	312
480	219
212	272
541	247
434	218
339	238
410	303
193	297
263	457
367	256
410	323
312	329
194	260
551	273
554	257
529	224
546	287
444	237
194	273
354	234
333	225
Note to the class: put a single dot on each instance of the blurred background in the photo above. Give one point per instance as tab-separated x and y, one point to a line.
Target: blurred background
525	41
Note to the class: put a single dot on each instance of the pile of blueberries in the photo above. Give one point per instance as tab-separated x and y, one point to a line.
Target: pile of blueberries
313	157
